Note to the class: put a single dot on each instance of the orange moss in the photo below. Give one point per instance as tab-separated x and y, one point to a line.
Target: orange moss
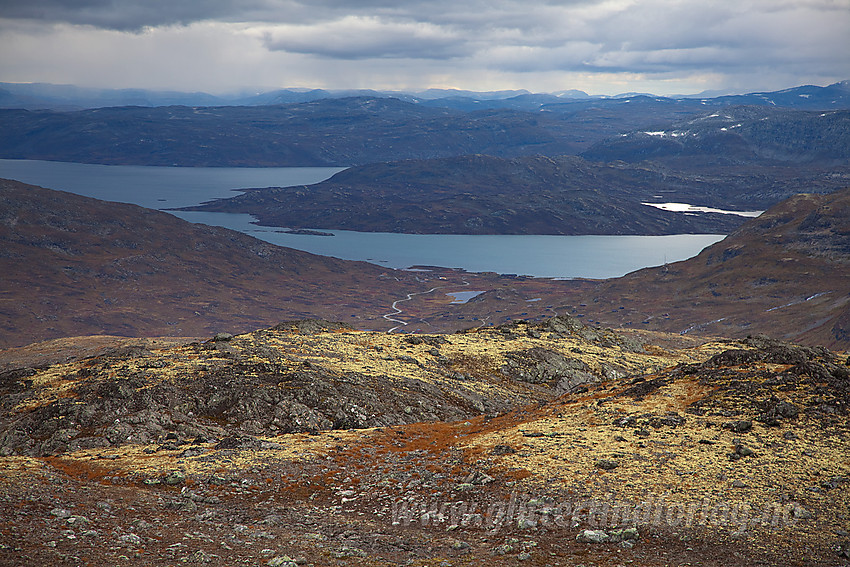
82	470
518	474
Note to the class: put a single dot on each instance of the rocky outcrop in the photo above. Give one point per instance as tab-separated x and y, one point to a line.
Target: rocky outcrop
298	376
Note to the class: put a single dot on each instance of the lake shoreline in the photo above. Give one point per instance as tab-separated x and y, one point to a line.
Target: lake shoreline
543	256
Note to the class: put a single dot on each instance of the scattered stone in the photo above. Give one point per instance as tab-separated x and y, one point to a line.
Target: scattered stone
174	478
800	513
786	409
130	539
624	534
237	442
626	421
77	521
593	536
217	480
740	426
194	452
222	337
199	556
744	451
834	482
670	420
607	464
478	478
503	450
611	536
345	552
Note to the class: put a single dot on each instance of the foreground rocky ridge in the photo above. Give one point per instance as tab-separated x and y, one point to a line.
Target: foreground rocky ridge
547	443
304	376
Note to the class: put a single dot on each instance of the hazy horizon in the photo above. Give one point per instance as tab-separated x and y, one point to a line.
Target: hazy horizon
434	92
601	47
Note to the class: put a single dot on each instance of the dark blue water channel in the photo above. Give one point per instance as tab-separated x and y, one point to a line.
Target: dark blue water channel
542	256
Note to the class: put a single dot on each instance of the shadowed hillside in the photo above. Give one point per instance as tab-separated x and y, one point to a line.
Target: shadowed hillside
736	135
481	194
785	273
73	265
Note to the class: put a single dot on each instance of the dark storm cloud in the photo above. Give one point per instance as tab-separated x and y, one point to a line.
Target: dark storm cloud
135	14
452	40
368	38
124	15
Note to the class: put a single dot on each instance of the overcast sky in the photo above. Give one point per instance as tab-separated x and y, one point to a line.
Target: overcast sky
599	46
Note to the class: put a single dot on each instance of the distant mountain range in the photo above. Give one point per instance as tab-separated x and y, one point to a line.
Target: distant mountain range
328	132
71	97
738	134
423	168
360	130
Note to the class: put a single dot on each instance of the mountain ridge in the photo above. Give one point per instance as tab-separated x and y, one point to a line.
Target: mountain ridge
787	269
482	194
73	264
346	131
737	134
67	97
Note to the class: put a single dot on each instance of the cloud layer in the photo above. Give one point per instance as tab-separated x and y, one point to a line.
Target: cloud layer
657	45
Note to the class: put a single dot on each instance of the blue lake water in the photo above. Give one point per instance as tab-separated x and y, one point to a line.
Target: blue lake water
157	187
542	256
